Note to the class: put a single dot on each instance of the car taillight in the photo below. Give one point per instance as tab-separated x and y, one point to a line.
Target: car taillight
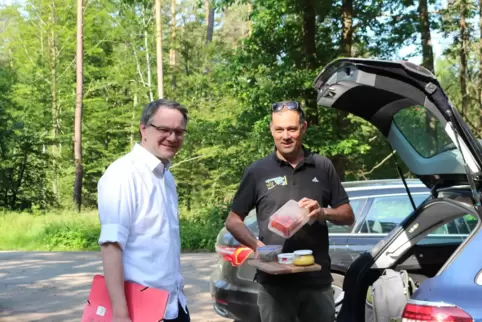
426	312
235	255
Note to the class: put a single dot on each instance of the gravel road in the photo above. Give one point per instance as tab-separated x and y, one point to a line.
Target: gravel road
53	286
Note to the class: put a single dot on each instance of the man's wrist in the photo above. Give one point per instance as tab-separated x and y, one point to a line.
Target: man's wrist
325	214
120	310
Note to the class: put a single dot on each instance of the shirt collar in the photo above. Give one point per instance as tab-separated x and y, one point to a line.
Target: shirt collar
308	156
153	163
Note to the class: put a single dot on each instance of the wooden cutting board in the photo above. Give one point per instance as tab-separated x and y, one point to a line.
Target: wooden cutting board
277	269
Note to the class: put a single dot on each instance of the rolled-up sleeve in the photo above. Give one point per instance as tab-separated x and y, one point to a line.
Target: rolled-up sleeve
116	206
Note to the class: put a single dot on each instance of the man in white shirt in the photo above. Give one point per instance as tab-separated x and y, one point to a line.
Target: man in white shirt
138	212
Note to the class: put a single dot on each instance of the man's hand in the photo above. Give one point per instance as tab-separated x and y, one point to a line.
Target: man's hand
341	215
235	225
315	211
121	315
114	278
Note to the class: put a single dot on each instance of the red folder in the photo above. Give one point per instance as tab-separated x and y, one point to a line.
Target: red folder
145	304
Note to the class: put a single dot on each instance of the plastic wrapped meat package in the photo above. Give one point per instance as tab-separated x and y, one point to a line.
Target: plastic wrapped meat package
287	220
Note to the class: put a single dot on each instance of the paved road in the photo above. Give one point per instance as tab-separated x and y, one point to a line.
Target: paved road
53	287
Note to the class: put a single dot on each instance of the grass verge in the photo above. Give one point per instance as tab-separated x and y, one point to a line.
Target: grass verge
57	231
70	231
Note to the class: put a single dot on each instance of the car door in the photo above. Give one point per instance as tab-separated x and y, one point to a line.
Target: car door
340	234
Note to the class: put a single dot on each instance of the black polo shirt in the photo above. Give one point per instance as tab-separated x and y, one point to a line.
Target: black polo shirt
268	184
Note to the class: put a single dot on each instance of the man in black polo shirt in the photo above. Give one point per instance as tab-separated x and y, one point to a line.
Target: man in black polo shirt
292	172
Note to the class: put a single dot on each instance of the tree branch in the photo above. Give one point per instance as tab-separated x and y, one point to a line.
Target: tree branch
138	66
378	165
187	160
66	69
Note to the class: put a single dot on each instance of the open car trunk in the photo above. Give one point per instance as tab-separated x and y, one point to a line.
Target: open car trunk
402	249
407	105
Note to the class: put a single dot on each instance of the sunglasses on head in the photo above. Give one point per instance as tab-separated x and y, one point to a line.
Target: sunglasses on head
291	105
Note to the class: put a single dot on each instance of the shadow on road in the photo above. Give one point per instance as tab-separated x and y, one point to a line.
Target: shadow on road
53	286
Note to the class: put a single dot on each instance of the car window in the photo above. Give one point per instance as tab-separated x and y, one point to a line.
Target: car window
471	221
459	226
423	131
357	206
386	212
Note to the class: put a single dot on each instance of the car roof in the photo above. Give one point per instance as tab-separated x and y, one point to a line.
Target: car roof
383	187
381	183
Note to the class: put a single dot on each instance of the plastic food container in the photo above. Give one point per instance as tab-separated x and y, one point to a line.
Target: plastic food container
268	253
286	258
303	257
287	220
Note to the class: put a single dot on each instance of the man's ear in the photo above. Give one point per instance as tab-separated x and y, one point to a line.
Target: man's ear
271	127
142	130
305	126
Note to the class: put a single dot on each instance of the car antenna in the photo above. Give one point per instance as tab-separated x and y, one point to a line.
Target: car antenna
403	177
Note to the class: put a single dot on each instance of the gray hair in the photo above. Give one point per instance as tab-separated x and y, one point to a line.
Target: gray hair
299	111
151	109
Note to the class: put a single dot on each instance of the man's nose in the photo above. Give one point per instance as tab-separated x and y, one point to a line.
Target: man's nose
172	137
286	134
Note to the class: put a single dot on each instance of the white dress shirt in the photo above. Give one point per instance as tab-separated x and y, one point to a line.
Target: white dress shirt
138	208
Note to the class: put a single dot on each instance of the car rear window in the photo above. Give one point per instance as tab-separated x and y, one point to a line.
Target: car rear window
423	131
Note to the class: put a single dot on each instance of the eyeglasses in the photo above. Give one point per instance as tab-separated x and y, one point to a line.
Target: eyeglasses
291	105
168	131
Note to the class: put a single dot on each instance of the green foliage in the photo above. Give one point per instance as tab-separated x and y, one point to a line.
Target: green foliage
52	231
199	228
261	53
70	236
67	231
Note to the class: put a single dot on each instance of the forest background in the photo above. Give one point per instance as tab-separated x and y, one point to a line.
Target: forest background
74	76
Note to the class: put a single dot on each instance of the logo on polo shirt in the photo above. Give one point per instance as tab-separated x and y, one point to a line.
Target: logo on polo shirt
278	181
315	179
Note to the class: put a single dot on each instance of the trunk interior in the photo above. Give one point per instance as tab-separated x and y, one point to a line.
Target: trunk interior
424	261
406	250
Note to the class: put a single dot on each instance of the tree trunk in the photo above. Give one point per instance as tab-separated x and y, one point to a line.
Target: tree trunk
18	183
209	22
342	123
78	108
347	27
427	50
309	33
172	56
427	62
148	64
134	124
160	84
52	47
339	164
463	56
308	12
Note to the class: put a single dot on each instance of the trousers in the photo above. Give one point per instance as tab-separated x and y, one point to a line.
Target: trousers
278	303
